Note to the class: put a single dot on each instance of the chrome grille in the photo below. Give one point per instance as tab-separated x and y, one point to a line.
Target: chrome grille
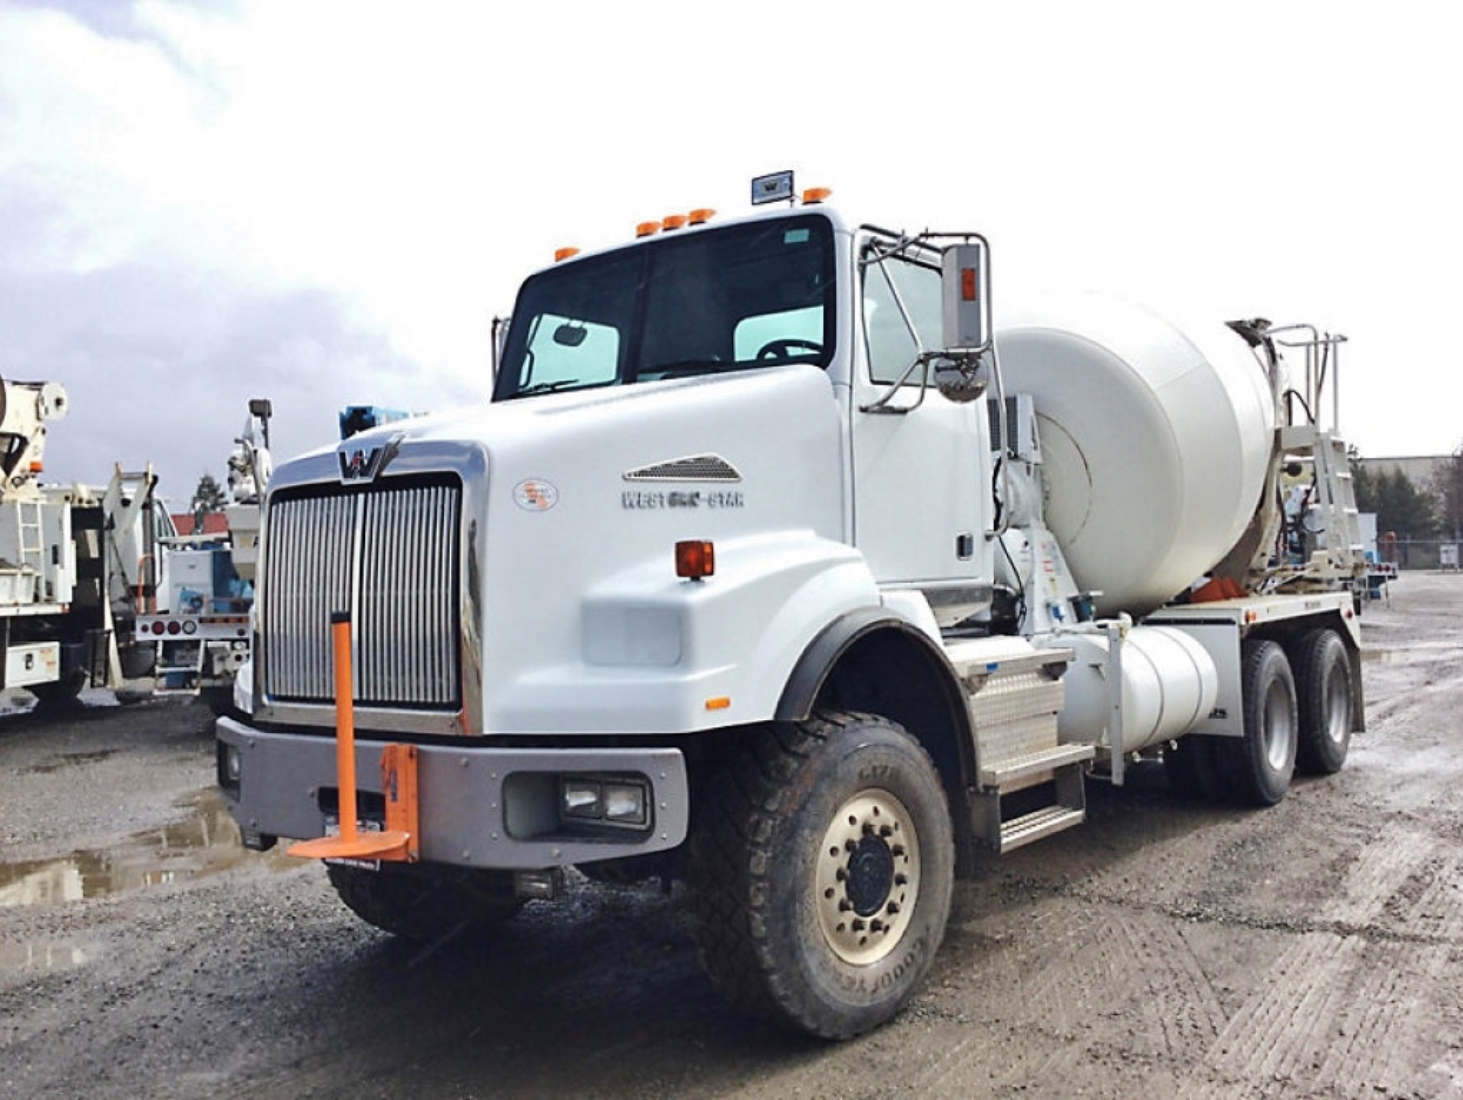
389	556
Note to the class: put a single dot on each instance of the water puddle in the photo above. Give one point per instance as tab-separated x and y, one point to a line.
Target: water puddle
205	842
1410	654
20	701
1382	656
42	956
70	760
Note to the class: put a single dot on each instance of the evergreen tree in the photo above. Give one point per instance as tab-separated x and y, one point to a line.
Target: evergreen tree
1448	488
1402	508
208	497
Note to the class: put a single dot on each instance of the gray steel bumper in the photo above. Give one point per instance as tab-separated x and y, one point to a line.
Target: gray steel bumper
480	806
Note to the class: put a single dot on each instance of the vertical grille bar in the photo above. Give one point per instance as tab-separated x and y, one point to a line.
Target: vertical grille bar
389	555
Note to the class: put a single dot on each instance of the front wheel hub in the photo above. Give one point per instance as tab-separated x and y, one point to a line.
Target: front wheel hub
867	877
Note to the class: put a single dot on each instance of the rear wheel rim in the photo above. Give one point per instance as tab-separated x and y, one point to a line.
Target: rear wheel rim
1338	705
1279	727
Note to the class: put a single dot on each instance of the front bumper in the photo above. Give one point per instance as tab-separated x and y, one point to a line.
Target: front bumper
480	806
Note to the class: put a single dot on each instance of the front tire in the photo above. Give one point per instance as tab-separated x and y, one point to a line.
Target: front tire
1326	695
1261	763
822	873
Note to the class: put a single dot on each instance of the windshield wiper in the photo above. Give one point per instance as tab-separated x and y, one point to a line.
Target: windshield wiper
684	368
546	387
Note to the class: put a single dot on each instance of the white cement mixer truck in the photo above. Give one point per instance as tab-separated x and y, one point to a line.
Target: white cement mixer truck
773	568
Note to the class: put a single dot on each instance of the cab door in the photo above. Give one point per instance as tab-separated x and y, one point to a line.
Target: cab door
920	482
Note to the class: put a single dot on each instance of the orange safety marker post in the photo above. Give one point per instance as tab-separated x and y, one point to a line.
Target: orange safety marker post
352	843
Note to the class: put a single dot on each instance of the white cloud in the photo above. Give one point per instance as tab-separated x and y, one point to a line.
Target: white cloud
414	160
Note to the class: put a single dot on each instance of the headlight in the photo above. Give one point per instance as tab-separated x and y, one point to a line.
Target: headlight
611	801
229	767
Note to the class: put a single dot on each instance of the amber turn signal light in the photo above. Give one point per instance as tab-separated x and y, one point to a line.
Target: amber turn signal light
695	559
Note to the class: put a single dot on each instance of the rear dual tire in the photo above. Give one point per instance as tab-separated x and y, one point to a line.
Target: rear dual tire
1260	764
1326	694
1298	714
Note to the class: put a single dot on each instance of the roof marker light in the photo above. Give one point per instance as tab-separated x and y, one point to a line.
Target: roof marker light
673	222
562	254
701	215
647	229
814	195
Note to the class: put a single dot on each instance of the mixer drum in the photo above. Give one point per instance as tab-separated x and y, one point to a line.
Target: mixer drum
1155	441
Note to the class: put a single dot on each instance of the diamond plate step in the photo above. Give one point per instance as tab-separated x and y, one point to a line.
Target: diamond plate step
1032	827
1003	774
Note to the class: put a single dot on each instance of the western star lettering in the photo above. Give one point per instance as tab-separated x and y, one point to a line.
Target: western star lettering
640	501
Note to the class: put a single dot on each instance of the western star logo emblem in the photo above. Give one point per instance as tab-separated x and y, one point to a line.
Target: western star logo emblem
363	463
359	465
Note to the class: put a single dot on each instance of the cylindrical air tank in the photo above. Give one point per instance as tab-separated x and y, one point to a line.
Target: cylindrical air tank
1155	442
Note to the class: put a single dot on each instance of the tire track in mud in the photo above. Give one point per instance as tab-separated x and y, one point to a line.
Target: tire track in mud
965	1069
1334	1015
1037	1005
1177	1000
1139	994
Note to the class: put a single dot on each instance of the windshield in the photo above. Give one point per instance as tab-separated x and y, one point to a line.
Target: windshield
745	296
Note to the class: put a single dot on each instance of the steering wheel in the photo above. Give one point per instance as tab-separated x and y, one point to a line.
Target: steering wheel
777	349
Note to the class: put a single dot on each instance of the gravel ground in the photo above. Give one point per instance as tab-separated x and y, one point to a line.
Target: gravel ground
1163	949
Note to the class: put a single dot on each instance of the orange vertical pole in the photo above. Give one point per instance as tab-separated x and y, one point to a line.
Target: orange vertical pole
345	723
389	844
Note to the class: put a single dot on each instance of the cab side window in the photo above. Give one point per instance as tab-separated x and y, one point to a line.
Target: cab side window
891	343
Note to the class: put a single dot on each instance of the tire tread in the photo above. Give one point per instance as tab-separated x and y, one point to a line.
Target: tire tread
754	787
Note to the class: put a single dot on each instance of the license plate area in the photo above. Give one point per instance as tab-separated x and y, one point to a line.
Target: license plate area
364	825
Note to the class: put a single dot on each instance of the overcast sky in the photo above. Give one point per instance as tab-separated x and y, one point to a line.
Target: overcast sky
325	202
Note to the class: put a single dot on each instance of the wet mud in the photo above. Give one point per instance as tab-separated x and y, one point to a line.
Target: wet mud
1165	948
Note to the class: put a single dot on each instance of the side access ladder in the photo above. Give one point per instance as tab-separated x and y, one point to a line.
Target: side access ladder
1333	553
1336	493
1014	701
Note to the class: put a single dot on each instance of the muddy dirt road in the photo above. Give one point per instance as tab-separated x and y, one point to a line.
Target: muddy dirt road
1164	949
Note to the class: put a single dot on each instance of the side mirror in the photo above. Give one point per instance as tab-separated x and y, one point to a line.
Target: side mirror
965	289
